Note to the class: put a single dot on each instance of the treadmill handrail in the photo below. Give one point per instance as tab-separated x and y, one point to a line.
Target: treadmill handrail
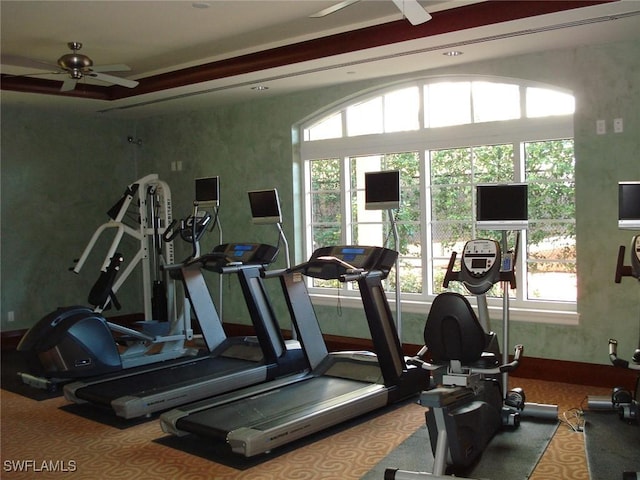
274	273
350	269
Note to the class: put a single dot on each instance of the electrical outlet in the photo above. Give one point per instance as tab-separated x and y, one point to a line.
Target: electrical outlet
601	127
11	316
617	125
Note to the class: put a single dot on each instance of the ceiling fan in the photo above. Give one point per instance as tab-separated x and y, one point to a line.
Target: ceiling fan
411	9
77	66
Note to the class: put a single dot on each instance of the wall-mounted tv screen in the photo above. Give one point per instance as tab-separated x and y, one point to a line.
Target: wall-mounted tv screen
629	205
208	191
382	190
265	206
502	206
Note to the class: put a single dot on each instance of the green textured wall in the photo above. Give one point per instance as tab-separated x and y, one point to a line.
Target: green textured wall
60	174
249	145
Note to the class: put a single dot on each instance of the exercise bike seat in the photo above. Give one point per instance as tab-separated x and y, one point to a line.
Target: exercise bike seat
453	333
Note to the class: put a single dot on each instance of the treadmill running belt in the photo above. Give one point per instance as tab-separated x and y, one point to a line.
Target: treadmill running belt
273	406
163	379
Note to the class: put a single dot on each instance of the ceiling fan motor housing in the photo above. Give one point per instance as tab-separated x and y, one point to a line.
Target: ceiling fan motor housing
75	60
75	63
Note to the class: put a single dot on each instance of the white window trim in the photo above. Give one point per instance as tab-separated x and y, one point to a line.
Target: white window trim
422	140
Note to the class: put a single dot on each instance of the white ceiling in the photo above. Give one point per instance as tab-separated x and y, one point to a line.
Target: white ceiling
155	37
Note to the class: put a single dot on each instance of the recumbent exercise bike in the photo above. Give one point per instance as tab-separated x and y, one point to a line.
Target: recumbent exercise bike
468	406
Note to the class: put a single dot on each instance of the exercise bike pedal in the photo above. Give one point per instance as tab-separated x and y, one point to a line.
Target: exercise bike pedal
515	398
510	418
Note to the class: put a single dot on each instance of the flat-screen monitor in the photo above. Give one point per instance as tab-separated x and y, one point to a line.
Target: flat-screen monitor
382	190
629	205
502	206
265	206
208	191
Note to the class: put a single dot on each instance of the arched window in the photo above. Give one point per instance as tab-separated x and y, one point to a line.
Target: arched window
446	136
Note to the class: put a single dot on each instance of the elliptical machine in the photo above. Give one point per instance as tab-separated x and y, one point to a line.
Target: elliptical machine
78	341
467	407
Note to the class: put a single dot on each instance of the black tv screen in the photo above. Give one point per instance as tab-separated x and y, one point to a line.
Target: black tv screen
502	207
265	206
207	191
382	190
629	205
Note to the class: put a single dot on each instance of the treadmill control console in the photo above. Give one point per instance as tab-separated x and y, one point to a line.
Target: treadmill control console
248	253
336	262
237	254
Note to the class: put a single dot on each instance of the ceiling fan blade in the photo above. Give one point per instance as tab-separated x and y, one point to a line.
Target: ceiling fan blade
68	84
124	82
413	11
333	8
17	61
111	68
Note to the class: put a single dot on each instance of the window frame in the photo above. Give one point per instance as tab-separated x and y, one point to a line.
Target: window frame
516	132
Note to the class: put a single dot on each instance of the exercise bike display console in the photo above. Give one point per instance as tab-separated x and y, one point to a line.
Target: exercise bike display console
480	260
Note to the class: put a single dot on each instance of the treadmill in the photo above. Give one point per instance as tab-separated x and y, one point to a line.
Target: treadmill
339	387
229	363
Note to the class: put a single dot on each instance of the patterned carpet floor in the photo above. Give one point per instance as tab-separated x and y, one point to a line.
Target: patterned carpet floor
47	440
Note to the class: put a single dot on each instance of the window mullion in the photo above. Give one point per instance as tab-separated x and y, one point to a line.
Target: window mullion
425	220
345	223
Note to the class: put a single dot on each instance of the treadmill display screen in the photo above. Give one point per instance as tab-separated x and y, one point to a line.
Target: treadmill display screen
265	206
502	207
208	191
350	254
382	190
240	249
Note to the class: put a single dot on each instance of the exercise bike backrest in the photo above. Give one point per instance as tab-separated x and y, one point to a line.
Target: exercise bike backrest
453	332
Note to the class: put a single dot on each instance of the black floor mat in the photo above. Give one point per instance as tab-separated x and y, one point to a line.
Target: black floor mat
612	445
11	363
